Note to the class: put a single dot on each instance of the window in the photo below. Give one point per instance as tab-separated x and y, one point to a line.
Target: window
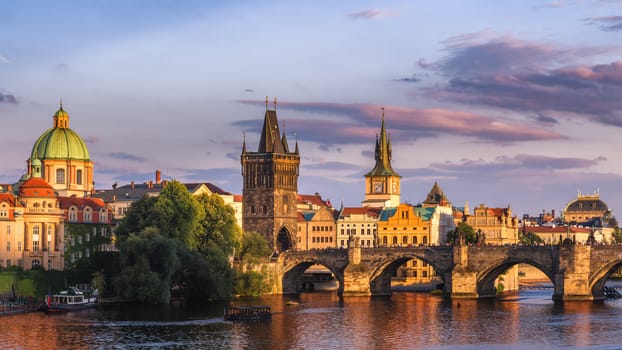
4	212
103	215
8	247
88	215
60	176
73	214
384	240
19	246
79	177
394	240
35	263
35	246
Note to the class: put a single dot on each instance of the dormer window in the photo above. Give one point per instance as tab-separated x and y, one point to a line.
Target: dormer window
88	215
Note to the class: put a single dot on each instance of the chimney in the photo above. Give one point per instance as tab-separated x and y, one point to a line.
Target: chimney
132	184
9	188
150	184
158	177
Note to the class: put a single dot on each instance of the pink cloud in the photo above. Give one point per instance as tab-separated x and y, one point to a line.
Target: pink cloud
369	14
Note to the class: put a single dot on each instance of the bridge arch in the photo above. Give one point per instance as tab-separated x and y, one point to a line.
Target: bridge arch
381	272
293	271
599	277
487	276
285	239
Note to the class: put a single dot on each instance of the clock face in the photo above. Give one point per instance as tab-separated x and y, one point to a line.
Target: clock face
378	187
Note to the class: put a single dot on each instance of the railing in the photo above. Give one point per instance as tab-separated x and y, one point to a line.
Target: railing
43	211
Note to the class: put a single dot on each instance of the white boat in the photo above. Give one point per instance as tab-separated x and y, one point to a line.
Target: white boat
72	299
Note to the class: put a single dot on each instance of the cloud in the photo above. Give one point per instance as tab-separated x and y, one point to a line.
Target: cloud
91	139
360	124
523	76
528	162
7	98
545	119
369	14
126	156
606	23
412	79
3	59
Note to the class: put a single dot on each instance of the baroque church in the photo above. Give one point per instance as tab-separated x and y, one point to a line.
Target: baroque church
36	212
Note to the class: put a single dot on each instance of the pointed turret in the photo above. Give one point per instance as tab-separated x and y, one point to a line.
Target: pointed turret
296	150
244	144
382	154
436	196
284	142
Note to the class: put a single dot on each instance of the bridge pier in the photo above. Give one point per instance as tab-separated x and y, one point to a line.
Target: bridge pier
356	275
463	282
572	280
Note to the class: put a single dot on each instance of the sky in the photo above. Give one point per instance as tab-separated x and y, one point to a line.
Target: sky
501	102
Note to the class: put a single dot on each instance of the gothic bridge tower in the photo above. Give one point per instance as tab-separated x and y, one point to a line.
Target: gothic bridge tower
382	183
270	186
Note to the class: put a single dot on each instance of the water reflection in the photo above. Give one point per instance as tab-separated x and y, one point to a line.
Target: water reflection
405	320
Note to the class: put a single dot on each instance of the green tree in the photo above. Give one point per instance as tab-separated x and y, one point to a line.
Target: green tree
140	215
470	236
252	276
254	248
177	213
148	262
217	225
530	238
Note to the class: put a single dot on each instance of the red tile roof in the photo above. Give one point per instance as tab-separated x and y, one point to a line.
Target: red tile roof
373	212
36	187
9	198
67	202
314	199
557	229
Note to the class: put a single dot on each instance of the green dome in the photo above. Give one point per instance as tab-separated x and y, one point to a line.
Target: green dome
60	143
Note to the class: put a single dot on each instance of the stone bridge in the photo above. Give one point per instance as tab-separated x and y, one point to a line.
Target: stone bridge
578	272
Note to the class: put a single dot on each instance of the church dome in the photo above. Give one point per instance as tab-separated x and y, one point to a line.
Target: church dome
60	142
36	187
587	204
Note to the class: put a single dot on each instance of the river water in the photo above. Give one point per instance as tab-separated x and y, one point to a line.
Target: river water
405	320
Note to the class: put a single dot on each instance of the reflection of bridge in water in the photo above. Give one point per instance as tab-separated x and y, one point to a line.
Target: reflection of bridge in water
577	272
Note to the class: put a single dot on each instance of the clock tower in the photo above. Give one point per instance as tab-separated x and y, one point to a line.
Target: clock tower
382	183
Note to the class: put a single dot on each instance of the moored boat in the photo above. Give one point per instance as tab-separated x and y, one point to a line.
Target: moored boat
72	299
241	313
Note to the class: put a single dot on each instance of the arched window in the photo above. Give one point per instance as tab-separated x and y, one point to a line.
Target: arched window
384	240
405	240
414	239
73	214
103	215
88	214
79	176
394	240
60	176
35	263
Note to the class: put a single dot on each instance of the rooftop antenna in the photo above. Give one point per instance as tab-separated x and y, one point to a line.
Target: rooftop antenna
275	103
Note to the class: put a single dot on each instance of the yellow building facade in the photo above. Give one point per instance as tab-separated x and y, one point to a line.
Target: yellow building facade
406	226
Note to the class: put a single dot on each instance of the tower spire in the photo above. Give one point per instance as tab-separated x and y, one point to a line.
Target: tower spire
383	152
